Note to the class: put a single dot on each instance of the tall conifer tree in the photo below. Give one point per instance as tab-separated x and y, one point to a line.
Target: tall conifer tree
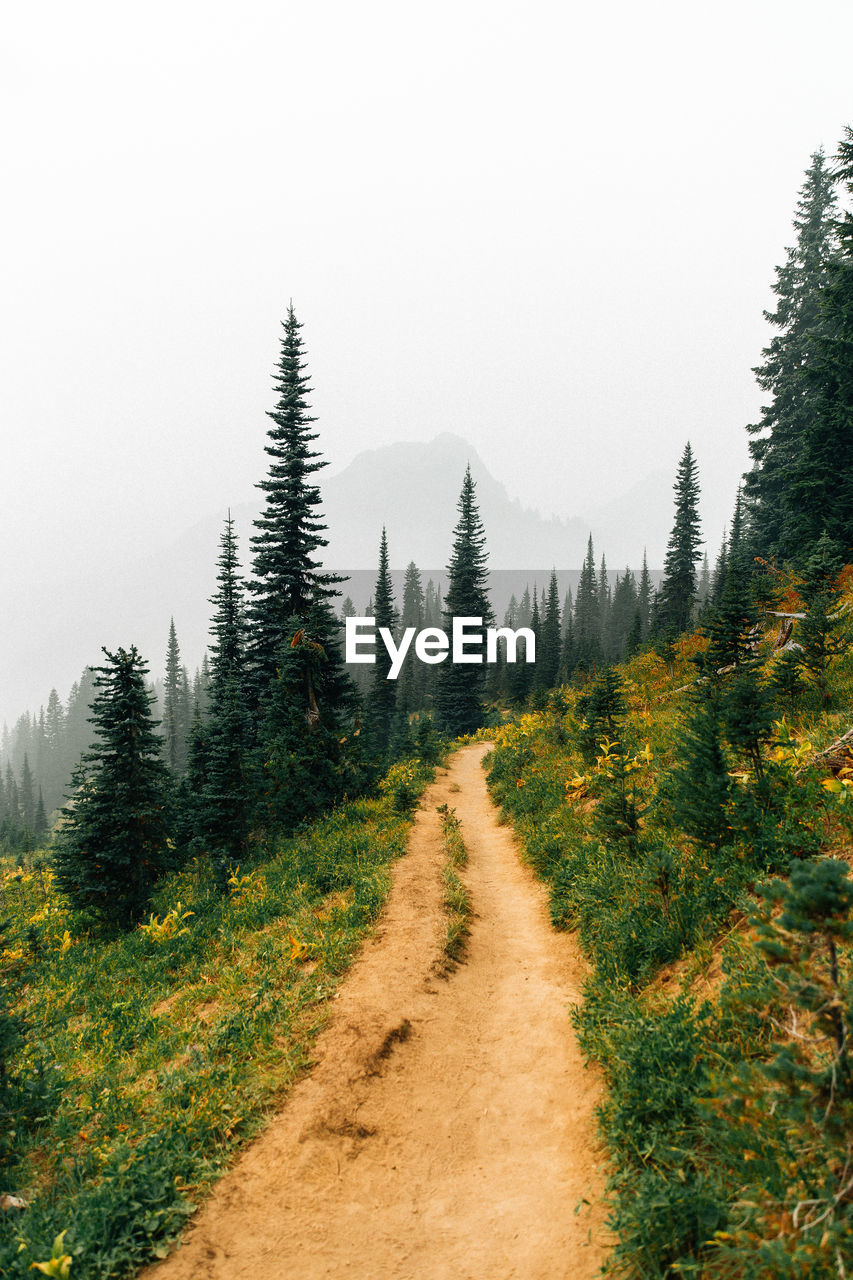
821	487
383	692
674	607
113	844
779	437
227	743
459	695
288	582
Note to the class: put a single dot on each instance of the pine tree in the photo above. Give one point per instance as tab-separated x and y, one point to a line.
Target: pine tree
26	794
174	743
820	631
604	605
644	597
623	611
301	694
412	680
288	583
223	751
40	828
13	808
703	591
673	611
548	644
383	692
587	627
459	695
698	788
718	581
112	848
778	438
729	625
820	493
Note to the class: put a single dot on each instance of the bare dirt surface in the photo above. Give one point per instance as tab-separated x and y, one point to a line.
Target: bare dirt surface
447	1130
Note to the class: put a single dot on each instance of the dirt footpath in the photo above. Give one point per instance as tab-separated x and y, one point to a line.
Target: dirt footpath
447	1130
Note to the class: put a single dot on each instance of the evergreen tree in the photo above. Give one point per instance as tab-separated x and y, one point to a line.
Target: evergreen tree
459	695
174	743
674	606
778	438
301	695
644	597
820	493
26	794
383	691
548	644
40	827
623	612
820	631
412	680
698	789
223	752
703	591
718	582
13	808
587	626
604	604
288	583
112	848
730	624
520	675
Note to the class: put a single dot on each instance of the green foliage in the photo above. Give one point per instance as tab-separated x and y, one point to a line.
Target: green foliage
823	633
383	692
674	604
698	787
175	1038
459	706
727	1118
113	848
798	319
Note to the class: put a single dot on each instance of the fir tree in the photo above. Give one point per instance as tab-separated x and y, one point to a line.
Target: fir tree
412	680
288	583
820	493
112	848
383	692
644	596
174	743
224	750
26	795
698	789
674	606
820	631
548	643
587	626
778	438
459	695
40	827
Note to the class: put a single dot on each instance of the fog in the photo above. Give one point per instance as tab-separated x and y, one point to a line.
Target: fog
550	230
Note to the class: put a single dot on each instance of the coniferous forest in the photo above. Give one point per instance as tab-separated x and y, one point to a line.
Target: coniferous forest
190	862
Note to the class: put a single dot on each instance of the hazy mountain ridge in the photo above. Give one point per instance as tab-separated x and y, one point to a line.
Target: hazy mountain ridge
411	487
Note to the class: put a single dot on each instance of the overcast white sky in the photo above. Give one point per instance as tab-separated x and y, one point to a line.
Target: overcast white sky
549	228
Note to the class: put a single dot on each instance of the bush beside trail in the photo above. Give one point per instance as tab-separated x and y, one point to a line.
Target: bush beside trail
693	833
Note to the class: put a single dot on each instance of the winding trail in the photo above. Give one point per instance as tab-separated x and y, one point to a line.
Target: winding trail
447	1129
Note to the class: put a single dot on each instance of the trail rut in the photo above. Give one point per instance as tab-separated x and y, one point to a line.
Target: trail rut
447	1129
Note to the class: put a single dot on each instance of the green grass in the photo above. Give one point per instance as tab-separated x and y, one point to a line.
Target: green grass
730	1152
457	901
149	1058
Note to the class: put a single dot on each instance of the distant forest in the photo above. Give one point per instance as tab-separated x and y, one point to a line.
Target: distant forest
273	727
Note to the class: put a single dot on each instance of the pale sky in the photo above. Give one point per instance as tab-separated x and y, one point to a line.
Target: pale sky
551	229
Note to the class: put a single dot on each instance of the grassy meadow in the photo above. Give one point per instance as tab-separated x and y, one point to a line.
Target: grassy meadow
138	1064
720	987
